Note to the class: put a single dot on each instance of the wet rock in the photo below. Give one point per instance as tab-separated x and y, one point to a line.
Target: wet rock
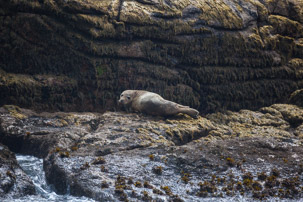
126	156
14	183
210	55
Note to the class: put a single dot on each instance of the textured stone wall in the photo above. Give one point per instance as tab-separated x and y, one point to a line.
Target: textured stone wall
211	55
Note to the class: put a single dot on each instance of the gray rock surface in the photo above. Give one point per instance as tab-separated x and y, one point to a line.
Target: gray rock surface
125	156
14	182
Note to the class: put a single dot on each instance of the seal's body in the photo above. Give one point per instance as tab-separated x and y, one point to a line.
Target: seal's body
152	103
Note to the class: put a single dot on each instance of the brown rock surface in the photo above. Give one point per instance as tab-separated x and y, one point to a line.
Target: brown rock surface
80	55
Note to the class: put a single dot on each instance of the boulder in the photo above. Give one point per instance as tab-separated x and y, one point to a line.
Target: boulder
14	182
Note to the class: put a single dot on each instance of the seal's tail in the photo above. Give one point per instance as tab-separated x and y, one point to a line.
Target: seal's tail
191	112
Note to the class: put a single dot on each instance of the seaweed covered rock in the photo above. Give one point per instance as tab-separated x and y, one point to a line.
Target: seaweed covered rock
210	55
14	182
126	156
297	98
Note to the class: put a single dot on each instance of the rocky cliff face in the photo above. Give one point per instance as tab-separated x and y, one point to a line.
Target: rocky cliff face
79	55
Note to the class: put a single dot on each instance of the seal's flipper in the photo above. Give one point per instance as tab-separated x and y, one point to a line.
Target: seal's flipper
190	111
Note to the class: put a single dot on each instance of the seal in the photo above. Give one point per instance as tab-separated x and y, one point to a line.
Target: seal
153	104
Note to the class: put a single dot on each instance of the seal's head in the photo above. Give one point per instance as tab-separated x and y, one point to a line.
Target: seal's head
127	97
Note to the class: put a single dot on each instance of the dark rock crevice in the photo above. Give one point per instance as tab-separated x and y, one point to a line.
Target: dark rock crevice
119	10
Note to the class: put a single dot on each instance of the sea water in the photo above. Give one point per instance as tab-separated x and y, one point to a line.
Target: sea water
33	167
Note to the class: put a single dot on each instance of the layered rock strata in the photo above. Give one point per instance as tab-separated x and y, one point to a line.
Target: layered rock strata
210	55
